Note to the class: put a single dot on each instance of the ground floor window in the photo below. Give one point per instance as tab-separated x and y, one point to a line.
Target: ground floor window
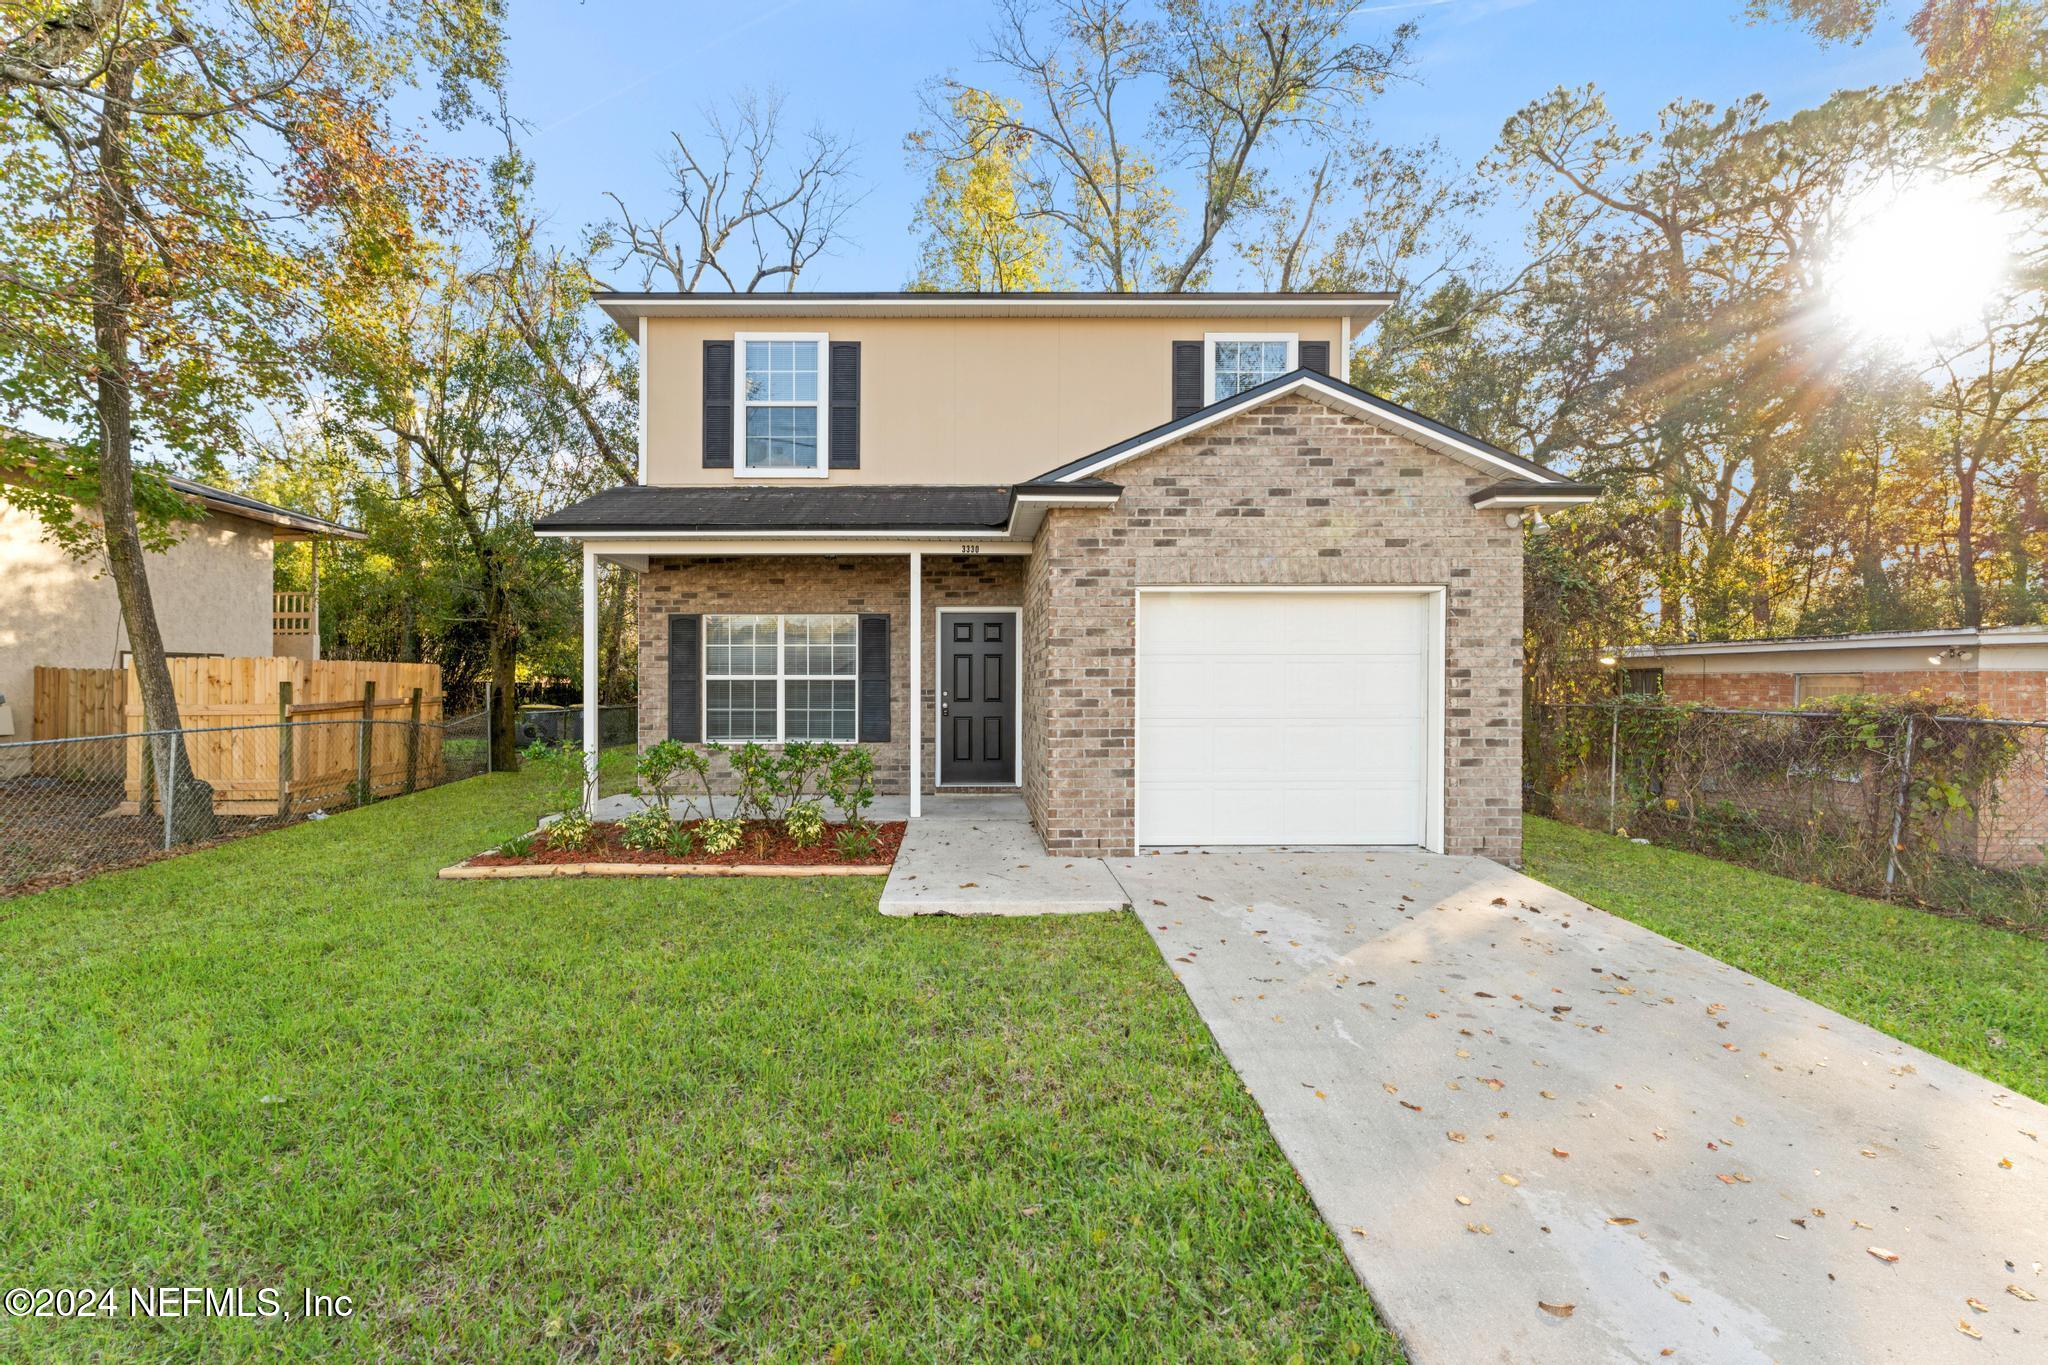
775	679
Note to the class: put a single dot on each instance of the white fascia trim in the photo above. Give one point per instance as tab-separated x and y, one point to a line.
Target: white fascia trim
1536	500
740	402
642	478
1209	340
1337	398
809	306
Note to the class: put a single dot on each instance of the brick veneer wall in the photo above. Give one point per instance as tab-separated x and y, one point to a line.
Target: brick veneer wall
1289	494
821	583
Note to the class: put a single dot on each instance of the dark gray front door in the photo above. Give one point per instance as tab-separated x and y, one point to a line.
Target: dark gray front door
977	705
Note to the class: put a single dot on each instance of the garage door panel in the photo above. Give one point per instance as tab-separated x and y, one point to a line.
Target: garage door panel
1273	718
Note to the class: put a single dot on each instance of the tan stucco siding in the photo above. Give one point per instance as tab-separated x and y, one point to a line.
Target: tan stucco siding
957	400
212	592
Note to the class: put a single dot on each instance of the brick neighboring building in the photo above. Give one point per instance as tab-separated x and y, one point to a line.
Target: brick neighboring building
1138	558
2003	670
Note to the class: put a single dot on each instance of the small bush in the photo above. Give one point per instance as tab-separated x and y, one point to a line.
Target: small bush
859	843
573	831
681	843
518	846
720	836
647	831
805	824
849	783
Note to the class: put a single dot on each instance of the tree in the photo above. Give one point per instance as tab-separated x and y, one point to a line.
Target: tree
188	185
975	237
739	212
1106	102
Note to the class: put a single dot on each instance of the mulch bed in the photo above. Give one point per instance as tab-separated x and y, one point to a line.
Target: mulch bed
763	845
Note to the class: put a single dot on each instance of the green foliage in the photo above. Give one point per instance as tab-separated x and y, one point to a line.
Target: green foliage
850	783
648	831
573	830
518	846
681	842
859	843
665	769
716	836
558	773
805	824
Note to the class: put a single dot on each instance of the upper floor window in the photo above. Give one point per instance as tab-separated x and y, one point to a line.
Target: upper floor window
782	428
1238	361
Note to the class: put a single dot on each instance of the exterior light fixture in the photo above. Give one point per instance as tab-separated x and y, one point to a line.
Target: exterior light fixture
1607	661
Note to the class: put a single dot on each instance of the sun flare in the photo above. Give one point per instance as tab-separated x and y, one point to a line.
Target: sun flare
1919	263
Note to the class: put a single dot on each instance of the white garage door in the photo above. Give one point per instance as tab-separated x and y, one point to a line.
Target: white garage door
1283	717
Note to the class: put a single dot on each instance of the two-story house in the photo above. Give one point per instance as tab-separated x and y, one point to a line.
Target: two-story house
1140	556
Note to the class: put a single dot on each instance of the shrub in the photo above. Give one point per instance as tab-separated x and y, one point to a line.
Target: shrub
518	846
849	783
720	836
859	843
647	831
681	843
561	770
805	824
573	831
663	771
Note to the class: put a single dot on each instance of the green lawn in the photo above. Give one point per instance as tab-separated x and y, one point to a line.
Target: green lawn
1975	995
627	1119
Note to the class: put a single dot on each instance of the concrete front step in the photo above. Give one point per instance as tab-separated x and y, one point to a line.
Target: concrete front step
992	867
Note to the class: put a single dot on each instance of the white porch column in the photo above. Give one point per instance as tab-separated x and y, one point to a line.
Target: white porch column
590	680
916	684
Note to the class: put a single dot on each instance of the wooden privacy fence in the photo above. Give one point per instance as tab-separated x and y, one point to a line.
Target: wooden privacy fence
274	735
77	701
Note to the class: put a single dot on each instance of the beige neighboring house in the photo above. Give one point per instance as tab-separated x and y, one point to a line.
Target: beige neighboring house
1140	558
214	594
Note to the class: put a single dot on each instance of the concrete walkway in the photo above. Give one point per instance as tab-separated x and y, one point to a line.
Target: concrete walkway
1501	1099
981	856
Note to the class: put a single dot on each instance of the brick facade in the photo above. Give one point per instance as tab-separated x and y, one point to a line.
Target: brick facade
1288	494
821	583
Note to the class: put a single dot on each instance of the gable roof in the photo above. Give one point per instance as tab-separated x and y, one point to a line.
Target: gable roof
1523	478
912	510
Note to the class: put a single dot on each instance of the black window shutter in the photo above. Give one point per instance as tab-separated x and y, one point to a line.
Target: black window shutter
685	670
718	405
1187	378
845	395
874	680
1315	355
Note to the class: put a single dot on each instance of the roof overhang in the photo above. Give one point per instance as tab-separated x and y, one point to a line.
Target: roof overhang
627	308
1962	638
1526	479
1523	493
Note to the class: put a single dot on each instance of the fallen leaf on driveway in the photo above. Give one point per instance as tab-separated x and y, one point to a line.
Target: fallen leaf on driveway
1682	1298
1507	1179
1963	1326
1886	1256
1500	900
1455	1136
1468	1204
1979	1305
1559	1152
1546	1094
1659	1134
1557	1310
1390	1087
2019	1293
1416	1107
1481	1228
1623	1222
2005	1163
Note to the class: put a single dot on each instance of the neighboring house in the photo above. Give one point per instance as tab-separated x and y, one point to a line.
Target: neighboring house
213	591
1148	562
2003	669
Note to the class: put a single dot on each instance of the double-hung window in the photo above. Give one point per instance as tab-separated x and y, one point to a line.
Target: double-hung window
782	430
777	679
1235	361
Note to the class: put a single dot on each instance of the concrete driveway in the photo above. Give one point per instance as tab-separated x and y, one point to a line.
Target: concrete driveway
1501	1099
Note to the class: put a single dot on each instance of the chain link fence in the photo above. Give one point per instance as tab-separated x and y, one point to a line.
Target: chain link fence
1944	811
72	807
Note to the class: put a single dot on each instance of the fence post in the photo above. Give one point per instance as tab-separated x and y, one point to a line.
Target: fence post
1891	862
284	750
412	746
487	730
363	743
170	788
1614	771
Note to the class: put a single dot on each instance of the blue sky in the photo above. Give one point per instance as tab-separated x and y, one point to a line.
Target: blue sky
602	82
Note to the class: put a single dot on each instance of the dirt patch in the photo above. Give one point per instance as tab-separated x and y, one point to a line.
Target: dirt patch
764	844
54	831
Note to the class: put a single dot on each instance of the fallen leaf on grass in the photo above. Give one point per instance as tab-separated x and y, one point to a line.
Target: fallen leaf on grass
1557	1310
1963	1326
1886	1256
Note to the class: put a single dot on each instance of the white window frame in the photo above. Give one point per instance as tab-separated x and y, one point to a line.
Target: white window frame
1209	340
781	677
740	404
